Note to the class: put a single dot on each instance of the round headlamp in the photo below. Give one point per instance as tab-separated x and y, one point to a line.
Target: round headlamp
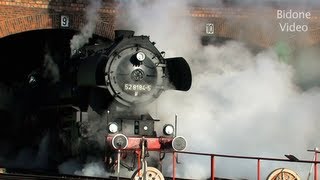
168	129
113	127
140	56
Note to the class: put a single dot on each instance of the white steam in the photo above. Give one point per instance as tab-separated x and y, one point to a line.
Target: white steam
92	168
86	32
257	111
239	103
50	69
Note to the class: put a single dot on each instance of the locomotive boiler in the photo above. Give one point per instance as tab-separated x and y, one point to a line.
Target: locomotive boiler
131	69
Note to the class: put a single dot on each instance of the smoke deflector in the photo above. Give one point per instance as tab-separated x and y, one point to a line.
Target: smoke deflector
179	73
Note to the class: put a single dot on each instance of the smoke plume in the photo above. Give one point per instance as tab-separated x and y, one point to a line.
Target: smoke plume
86	32
240	103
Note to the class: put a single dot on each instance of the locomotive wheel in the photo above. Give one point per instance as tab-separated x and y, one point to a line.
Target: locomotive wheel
152	174
283	174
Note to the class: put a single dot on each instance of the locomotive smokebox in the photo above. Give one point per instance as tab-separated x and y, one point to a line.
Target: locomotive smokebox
133	71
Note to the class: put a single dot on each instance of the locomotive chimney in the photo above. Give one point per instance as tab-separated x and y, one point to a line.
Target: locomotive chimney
119	34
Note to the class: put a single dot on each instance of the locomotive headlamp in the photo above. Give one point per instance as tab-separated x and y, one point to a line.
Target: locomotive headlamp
113	127
140	56
168	129
32	80
145	128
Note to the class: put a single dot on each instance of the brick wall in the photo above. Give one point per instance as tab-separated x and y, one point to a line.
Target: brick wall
56	4
24	15
232	22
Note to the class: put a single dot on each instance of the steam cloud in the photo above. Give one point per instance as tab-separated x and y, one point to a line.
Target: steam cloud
240	103
92	167
51	69
86	32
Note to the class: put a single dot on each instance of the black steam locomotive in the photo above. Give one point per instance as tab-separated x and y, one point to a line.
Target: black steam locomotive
129	74
98	105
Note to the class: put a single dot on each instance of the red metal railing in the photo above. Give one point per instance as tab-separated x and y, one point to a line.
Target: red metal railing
213	158
259	159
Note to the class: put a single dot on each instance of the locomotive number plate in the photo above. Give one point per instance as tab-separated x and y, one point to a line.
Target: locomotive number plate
137	87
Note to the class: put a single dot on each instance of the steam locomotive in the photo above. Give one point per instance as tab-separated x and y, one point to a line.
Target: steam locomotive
98	106
132	73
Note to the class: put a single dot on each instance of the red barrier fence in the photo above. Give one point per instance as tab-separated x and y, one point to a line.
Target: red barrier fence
258	159
213	157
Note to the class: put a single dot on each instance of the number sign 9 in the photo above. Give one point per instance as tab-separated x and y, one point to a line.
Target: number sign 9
64	21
